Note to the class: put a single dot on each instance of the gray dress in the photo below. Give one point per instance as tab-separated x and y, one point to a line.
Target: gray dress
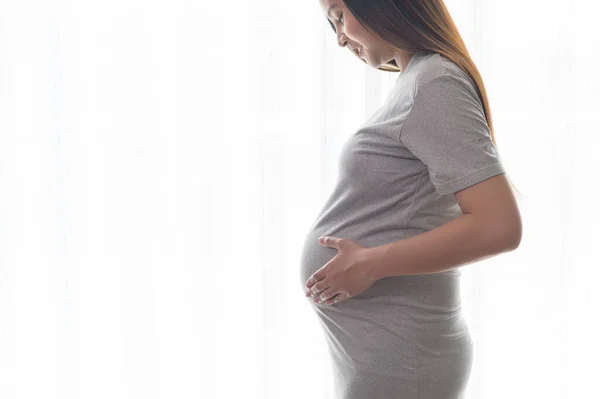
405	337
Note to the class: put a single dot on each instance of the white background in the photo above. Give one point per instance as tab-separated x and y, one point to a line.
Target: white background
160	162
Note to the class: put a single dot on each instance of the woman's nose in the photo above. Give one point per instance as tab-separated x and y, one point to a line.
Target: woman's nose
342	40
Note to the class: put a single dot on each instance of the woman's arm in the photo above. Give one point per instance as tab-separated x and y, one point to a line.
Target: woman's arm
490	225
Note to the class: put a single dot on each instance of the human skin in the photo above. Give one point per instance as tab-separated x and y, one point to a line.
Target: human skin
352	34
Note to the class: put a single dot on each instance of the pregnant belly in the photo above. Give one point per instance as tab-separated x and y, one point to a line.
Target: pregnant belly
313	256
437	293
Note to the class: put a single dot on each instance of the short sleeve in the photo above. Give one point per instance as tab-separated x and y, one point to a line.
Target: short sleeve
447	130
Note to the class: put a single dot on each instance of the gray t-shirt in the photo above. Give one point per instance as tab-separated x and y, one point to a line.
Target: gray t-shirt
397	176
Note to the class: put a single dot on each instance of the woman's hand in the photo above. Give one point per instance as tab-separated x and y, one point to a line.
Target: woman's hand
346	275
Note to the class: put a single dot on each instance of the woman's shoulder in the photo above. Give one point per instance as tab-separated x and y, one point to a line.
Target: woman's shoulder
432	66
434	73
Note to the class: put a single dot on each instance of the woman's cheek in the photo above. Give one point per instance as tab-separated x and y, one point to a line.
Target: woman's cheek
361	40
352	33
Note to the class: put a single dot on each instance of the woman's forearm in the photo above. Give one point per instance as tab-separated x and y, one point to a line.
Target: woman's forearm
462	241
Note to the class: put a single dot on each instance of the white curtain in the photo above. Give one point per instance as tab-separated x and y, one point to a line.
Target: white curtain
160	162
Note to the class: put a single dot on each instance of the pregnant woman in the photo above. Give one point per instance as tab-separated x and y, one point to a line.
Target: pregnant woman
421	192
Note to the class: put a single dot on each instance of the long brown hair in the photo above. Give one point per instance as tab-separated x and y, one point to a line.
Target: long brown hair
419	26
